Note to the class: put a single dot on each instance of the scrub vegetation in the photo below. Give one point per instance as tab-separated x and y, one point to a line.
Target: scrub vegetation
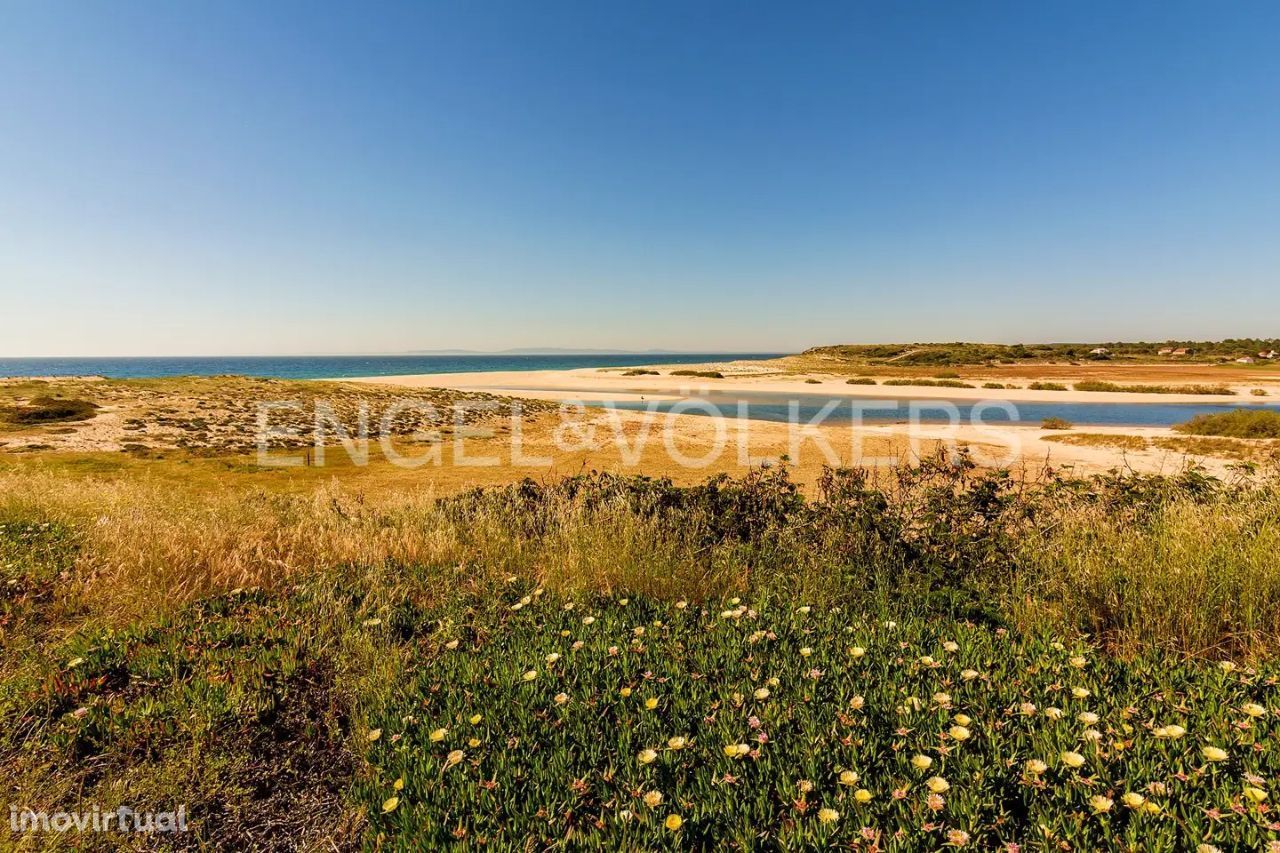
959	655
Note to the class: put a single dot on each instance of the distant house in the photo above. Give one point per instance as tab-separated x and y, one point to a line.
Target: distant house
1181	351
1099	351
1271	354
1166	351
1245	360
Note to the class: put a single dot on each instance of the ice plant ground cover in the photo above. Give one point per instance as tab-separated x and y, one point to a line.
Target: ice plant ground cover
630	724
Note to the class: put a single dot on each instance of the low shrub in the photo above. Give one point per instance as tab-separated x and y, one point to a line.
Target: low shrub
1239	423
640	372
1047	386
860	380
703	374
1056	423
929	383
1093	385
44	410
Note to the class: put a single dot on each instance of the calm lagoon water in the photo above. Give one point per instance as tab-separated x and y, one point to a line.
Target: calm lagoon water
806	407
336	367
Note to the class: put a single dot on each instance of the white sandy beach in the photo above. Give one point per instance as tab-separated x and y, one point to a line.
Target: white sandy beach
595	384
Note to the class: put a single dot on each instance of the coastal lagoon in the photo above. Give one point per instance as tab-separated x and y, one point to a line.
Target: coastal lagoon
804	408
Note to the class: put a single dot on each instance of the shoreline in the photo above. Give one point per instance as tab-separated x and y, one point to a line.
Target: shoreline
597	385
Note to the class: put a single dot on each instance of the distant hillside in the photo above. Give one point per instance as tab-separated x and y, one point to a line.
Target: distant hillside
961	353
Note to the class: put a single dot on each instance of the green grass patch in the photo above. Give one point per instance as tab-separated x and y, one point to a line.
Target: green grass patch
1240	423
1047	386
1154	389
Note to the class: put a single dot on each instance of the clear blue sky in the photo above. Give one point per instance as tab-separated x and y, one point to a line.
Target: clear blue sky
288	177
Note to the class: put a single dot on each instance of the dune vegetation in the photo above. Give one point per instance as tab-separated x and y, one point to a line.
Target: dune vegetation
1239	423
618	661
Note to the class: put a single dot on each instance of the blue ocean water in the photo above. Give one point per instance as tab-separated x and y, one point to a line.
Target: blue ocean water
339	366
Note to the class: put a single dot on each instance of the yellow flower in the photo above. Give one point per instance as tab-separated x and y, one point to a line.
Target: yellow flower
530	675
451	645
1170	732
473	742
968	674
647	756
588	620
1253	709
960	733
828	815
951	646
438	735
803	611
937	784
1080	692
476	718
806	651
1078	662
624	692
389	804
1072	759
862	795
398	784
453	758
962	720
653	799
1053	713
943	699
1133	800
848	777
562	698
681	605
922	762
1035	766
1213	753
1255	794
1100	803
673	822
926	660
762	693
1227	666
651	703
1087	717
856	652
1151	808
805	786
677	742
553	657
1026	709
736	750
373	735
